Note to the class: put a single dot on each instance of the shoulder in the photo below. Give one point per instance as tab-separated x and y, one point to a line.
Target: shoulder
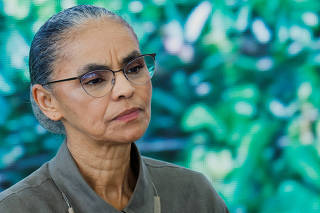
179	182
30	189
35	179
165	169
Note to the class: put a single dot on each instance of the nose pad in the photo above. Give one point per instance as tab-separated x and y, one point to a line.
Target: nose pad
113	81
122	87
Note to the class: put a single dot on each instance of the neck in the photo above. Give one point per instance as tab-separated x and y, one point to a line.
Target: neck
106	168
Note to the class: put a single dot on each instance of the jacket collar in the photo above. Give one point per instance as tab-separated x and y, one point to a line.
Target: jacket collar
83	198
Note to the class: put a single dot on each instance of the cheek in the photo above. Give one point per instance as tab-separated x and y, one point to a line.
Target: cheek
146	96
147	93
78	107
88	114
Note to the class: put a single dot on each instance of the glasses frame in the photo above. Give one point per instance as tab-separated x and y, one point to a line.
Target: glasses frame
153	55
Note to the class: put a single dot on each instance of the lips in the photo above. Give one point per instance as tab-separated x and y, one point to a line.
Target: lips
128	114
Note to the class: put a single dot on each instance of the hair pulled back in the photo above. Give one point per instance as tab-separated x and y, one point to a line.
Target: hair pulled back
45	48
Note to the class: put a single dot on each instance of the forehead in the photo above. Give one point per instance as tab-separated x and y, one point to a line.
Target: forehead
104	41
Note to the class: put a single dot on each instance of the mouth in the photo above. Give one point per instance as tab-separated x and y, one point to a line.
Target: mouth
128	115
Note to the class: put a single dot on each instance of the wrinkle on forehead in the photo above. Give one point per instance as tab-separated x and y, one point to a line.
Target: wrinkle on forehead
113	25
111	22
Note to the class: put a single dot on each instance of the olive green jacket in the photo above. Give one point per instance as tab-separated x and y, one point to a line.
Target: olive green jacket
58	186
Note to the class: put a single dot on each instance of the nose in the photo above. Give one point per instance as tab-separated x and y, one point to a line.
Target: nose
122	88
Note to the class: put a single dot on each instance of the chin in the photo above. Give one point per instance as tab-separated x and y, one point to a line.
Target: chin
131	135
123	133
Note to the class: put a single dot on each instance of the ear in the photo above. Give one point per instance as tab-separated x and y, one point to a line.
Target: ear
46	102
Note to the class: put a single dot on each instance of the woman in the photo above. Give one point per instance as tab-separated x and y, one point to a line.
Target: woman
90	81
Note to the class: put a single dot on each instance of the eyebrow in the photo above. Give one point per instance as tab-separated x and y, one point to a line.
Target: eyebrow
94	66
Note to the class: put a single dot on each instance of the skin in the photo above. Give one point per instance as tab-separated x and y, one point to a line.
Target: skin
99	144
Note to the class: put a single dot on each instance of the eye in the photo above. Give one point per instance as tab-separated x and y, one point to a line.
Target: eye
93	78
135	69
136	66
95	81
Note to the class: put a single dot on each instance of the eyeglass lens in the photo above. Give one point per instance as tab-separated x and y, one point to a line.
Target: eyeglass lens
139	71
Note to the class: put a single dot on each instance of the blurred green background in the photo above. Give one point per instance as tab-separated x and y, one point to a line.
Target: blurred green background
236	95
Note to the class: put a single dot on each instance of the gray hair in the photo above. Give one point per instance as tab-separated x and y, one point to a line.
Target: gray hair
45	48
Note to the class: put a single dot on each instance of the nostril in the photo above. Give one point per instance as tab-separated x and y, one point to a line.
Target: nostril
121	97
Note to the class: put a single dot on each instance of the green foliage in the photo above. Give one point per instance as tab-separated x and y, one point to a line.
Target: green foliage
235	94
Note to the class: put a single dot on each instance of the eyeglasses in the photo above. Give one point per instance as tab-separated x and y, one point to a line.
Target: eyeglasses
98	83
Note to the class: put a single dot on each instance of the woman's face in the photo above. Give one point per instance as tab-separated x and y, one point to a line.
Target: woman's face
108	43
